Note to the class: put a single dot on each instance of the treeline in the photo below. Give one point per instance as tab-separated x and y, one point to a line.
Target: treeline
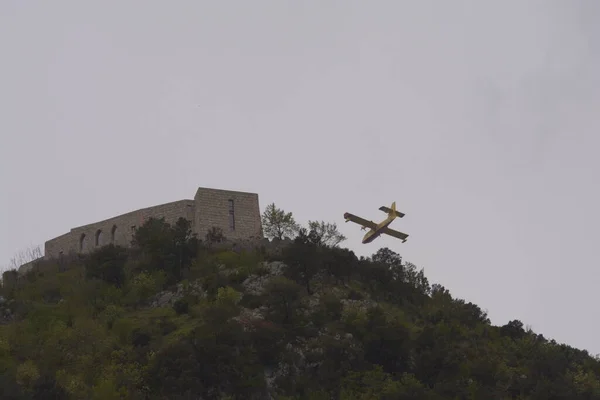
316	322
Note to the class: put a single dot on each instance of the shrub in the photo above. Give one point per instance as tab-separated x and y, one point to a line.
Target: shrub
107	264
145	285
181	306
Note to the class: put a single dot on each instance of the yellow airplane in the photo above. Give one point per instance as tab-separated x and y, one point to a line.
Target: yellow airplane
377	229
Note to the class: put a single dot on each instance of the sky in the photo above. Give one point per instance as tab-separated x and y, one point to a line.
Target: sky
476	117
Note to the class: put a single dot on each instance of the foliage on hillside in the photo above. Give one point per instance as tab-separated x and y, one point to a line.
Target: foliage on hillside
319	324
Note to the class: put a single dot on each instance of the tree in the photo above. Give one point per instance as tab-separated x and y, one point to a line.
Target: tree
416	277
340	264
388	257
282	295
391	261
153	236
302	258
107	264
185	242
214	235
160	246
152	244
328	232
513	329
277	223
24	256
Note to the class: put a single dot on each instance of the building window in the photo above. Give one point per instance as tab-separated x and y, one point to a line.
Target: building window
231	216
98	237
113	231
133	229
82	242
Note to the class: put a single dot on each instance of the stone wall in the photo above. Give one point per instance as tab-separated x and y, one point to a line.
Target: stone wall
117	230
30	265
237	214
9	279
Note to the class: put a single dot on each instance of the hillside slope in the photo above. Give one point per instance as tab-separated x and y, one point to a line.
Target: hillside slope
172	318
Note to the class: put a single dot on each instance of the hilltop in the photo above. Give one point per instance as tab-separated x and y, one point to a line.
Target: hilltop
176	317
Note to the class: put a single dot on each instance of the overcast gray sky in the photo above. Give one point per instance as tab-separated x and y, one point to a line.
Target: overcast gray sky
479	118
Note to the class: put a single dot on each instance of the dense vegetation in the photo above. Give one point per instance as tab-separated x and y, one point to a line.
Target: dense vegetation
320	324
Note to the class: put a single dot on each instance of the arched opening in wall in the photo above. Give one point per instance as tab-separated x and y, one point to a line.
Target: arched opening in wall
98	237
81	242
113	231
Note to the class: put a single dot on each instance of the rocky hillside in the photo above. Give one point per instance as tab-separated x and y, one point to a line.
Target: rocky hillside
173	318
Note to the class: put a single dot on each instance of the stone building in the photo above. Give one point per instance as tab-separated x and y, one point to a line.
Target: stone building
236	213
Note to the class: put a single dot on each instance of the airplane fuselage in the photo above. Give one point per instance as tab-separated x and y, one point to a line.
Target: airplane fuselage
375	233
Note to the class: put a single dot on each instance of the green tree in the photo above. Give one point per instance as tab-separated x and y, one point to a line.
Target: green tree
416	278
302	258
340	264
328	233
278	224
159	246
513	329
153	236
107	264
143	285
282	296
390	259
185	243
214	359
214	235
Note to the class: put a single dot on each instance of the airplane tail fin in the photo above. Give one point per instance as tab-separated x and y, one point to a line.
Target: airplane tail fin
393	212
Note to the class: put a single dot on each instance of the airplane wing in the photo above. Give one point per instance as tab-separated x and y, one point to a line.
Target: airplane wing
360	221
387	210
395	234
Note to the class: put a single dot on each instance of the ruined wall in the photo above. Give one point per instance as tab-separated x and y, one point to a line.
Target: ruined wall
236	213
9	279
117	230
30	265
